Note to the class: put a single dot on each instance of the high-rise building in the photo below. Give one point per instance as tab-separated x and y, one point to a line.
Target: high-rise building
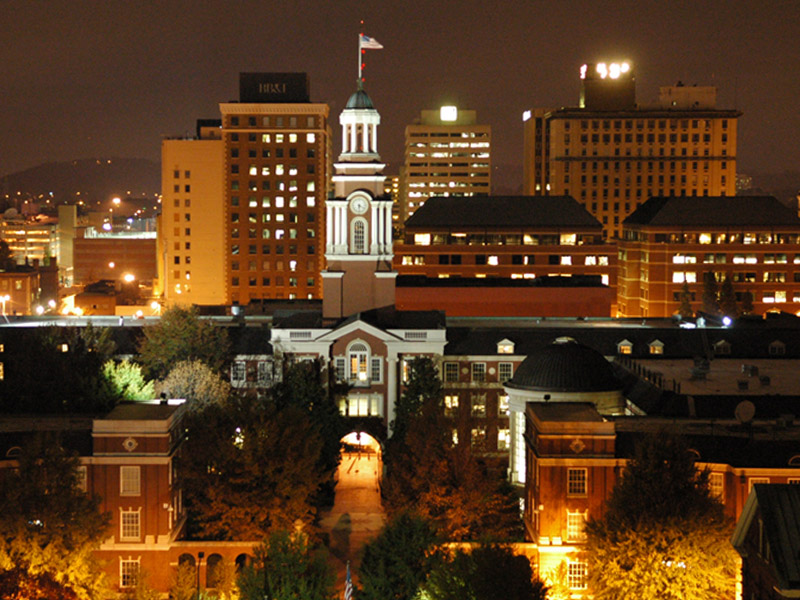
612	154
447	153
277	175
243	217
191	238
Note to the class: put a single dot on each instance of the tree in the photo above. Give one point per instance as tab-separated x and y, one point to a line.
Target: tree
710	294
288	568
423	385
183	585
197	383
485	573
250	469
685	308
19	584
398	561
663	534
182	335
72	380
127	381
727	299
48	526
444	481
6	257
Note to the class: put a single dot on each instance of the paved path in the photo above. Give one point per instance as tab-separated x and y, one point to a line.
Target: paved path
357	515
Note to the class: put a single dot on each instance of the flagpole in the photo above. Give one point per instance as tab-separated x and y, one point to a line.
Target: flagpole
359	61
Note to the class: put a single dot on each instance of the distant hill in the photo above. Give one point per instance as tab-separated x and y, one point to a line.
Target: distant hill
95	179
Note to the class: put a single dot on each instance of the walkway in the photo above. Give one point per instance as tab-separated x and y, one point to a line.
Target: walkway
357	515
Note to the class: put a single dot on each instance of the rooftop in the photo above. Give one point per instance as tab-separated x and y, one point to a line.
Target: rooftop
715	212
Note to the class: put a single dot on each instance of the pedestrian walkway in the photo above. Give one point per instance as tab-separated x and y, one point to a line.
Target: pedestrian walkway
357	514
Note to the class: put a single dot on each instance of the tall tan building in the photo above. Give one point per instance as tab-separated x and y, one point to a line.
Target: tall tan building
447	153
244	220
612	154
191	239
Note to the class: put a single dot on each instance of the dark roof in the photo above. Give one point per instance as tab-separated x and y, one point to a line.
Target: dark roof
548	281
389	317
250	340
360	99
713	211
780	512
566	412
507	212
566	366
141	411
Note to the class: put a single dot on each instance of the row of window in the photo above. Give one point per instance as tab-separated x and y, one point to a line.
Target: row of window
278	201
477	405
271	121
451	372
502	239
495	260
766	237
645	138
683	124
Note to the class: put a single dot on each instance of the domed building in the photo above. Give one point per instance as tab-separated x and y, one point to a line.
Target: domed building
564	371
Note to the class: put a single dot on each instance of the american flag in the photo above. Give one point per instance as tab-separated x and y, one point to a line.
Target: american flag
366	42
348	583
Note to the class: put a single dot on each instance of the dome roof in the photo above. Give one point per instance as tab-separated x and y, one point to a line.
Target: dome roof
565	366
360	100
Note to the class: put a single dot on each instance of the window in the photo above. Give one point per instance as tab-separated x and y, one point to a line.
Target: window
505	347
376	369
361	405
451	372
576	575
478	402
357	359
129	481
128	572
656	347
576	482
359	236
339	364
505	371
83	478
624	347
503	439
129	525
450	405
478	372
478	437
502	405
576	522
716	485
238	372
754	480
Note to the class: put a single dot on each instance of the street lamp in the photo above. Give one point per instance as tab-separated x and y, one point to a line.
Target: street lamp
200	556
3	299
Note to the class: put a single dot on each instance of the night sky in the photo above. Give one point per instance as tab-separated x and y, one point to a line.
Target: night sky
109	78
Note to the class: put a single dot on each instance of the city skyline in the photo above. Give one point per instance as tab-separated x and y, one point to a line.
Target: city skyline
98	79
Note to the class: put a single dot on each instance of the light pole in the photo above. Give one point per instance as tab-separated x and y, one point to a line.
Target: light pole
200	556
3	299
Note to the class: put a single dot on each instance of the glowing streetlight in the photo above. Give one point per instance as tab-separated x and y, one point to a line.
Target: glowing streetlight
128	278
111	265
3	299
116	200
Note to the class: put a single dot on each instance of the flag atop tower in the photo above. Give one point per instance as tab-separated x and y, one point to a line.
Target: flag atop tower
368	43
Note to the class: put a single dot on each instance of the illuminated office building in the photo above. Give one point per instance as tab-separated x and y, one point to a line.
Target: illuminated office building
447	153
612	154
246	198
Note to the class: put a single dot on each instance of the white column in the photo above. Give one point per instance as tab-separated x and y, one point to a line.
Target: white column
353	145
373	227
365	136
329	240
391	389
374	137
344	138
387	227
343	228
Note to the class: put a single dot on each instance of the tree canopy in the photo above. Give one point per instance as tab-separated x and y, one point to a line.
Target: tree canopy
48	526
398	561
663	535
487	572
182	335
444	481
127	380
288	567
197	383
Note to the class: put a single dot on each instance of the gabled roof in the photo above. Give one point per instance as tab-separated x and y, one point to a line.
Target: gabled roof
713	211
779	505
512	212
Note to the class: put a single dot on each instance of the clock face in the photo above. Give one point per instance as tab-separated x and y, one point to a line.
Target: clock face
359	206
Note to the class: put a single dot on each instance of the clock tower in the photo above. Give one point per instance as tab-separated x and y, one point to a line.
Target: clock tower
358	243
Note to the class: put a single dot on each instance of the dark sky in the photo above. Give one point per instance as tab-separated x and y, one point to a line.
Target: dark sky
88	78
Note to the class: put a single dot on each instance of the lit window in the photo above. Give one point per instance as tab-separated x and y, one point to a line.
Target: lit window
657	347
358	355
478	402
576	575
502	405
129	525
376	369
503	439
576	523
128	572
238	372
478	437
576	482
625	347
450	405
129	481
716	485
566	260
493	260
